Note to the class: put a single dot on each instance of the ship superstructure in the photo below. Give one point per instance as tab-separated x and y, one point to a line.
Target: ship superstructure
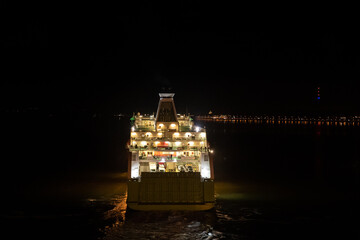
170	164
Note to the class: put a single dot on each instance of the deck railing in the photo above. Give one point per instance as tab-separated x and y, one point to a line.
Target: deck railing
168	159
145	138
149	148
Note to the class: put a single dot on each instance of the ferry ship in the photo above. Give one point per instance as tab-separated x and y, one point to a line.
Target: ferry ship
170	164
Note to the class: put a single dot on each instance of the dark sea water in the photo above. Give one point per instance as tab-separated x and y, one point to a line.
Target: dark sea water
64	177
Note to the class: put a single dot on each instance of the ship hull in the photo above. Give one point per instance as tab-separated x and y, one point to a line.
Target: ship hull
171	207
170	191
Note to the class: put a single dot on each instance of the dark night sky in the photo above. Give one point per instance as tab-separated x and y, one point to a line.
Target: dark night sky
106	58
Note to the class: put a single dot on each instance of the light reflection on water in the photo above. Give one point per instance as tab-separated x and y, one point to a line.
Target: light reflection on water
128	224
225	221
161	225
232	218
117	214
228	220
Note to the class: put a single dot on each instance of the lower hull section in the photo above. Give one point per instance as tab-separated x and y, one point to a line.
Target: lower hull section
169	207
170	191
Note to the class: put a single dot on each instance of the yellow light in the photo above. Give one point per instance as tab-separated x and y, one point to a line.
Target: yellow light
177	143
143	143
191	143
187	134
176	134
159	134
202	143
133	134
156	143
202	135
148	134
172	125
